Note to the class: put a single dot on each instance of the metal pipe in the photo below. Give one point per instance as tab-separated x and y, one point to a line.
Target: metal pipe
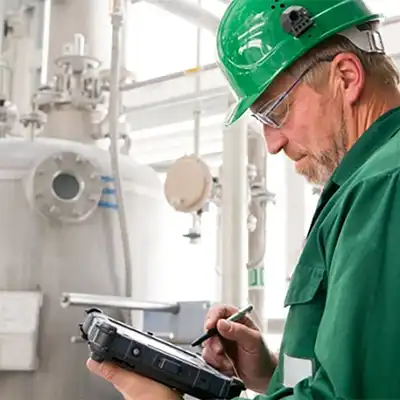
196	219
23	49
391	20
47	7
197	127
197	112
2	20
190	11
123	303
79	44
114	113
169	77
234	208
257	239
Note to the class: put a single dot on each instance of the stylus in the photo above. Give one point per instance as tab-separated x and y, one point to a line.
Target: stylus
213	331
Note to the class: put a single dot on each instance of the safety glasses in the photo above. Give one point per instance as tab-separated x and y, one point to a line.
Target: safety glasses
275	112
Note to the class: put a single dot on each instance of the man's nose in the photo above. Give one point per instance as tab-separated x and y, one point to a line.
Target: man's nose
275	139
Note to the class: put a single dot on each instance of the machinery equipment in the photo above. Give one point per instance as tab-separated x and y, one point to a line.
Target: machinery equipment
85	221
79	219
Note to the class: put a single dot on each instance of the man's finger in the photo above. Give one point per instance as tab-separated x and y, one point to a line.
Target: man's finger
220	362
216	360
245	337
215	345
218	312
105	370
111	372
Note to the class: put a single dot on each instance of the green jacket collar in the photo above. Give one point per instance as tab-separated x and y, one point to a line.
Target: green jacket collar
383	129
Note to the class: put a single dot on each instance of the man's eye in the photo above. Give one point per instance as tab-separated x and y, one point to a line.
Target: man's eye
279	112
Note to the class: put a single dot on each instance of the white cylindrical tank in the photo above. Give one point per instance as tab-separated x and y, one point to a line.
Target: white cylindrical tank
60	233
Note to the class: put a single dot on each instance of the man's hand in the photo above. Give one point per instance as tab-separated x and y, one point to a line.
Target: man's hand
243	352
132	386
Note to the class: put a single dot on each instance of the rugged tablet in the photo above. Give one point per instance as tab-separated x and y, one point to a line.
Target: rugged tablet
147	355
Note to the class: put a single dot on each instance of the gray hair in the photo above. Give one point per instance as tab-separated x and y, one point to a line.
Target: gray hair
379	67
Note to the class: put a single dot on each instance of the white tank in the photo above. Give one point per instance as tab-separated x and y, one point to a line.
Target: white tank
60	233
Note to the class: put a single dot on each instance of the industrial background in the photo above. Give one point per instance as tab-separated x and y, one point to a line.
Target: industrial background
120	188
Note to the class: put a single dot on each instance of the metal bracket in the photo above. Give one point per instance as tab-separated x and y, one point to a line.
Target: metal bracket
181	328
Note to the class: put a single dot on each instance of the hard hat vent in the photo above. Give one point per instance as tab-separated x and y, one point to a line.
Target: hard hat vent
296	20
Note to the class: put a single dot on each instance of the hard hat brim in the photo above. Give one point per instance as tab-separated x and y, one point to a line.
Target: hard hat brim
239	109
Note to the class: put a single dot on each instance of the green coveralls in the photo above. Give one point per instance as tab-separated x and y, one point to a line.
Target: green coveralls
342	334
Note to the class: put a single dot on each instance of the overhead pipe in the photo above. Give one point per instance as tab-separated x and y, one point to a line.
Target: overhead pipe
170	77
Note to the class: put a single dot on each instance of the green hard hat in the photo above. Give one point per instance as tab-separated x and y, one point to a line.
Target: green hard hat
258	39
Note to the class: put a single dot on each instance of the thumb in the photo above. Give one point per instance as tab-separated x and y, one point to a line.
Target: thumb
110	372
245	337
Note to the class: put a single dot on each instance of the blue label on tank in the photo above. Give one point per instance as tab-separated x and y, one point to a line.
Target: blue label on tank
109	202
109	191
106	178
105	204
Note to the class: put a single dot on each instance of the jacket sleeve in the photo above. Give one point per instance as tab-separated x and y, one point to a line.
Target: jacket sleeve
358	341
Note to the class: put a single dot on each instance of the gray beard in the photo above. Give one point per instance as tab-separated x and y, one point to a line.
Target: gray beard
325	163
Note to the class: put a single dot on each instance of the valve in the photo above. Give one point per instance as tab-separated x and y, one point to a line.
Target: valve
194	235
77	81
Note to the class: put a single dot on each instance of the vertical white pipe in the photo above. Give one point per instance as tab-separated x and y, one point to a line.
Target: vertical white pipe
45	41
295	218
257	239
114	112
197	112
2	18
20	56
234	209
196	220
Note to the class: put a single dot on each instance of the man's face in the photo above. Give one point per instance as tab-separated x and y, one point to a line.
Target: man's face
313	135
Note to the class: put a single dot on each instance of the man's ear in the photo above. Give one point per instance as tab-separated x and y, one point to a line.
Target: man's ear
349	74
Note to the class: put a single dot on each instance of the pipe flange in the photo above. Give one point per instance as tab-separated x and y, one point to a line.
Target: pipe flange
77	62
66	187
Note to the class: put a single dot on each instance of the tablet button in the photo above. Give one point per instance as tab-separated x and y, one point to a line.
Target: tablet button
170	366
136	351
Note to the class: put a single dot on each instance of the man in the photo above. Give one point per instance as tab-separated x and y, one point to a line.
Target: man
314	73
